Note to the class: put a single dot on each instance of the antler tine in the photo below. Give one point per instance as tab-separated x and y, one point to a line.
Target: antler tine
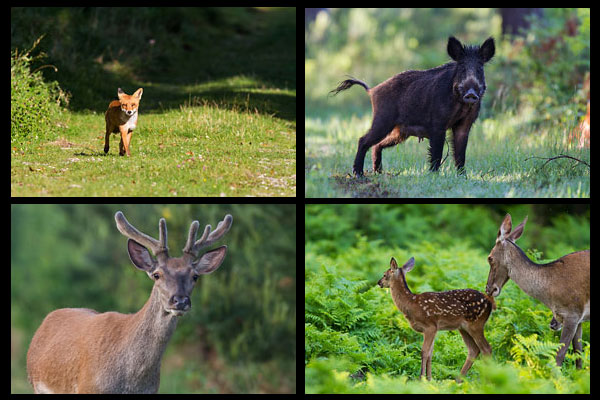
162	236
191	237
128	230
208	237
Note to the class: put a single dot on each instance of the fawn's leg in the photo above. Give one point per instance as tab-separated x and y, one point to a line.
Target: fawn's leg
427	352
473	350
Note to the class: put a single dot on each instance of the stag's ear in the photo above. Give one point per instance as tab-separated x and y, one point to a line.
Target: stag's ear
140	257
210	261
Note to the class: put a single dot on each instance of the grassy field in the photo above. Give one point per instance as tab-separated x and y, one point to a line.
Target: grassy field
201	150
502	161
217	116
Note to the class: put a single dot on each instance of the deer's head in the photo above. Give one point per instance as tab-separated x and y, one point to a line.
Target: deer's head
503	255
395	273
174	278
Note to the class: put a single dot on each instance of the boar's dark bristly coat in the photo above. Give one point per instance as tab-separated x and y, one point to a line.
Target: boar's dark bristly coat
426	104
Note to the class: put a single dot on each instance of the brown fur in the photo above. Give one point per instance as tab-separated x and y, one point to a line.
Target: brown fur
562	285
78	350
465	310
121	117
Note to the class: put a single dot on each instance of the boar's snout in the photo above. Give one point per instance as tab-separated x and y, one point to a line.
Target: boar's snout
471	97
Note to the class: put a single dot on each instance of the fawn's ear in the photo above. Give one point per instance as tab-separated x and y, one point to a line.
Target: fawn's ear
409	265
393	264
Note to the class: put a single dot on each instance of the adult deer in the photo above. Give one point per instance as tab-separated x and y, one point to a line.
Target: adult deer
78	350
562	285
466	310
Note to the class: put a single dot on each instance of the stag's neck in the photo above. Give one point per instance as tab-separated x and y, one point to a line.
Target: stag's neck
152	328
149	332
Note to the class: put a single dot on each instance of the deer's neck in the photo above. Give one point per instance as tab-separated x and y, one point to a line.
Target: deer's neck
532	278
149	332
402	296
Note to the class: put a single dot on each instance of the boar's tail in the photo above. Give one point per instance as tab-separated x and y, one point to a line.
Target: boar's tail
347	84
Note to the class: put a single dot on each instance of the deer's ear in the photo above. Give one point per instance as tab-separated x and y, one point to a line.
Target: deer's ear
409	265
505	228
140	257
210	261
518	231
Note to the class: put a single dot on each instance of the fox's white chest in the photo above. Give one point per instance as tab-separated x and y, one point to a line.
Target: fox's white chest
130	122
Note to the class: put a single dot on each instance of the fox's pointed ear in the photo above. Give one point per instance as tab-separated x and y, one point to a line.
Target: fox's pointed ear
120	91
138	93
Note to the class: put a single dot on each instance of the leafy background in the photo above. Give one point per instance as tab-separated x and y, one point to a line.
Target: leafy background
356	341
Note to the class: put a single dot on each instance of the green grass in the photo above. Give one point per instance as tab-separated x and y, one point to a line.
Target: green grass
204	150
217	116
502	161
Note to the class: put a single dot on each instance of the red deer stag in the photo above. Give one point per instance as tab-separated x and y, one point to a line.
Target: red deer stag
562	285
78	350
466	310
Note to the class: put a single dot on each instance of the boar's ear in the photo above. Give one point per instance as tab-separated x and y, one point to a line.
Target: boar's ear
455	48
487	50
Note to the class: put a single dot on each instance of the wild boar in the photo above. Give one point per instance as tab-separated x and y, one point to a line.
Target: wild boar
426	104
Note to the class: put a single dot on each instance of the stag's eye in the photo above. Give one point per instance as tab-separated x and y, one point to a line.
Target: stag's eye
156	275
195	277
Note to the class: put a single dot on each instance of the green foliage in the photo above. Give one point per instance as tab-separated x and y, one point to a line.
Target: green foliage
356	341
97	50
327	342
34	104
374	44
536	354
553	62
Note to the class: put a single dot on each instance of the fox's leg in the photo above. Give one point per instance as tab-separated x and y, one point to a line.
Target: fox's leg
129	141
106	139
124	145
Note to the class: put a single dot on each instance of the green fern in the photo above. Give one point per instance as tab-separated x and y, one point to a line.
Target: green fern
535	353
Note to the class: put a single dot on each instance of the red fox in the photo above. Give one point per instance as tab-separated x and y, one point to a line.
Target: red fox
122	116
